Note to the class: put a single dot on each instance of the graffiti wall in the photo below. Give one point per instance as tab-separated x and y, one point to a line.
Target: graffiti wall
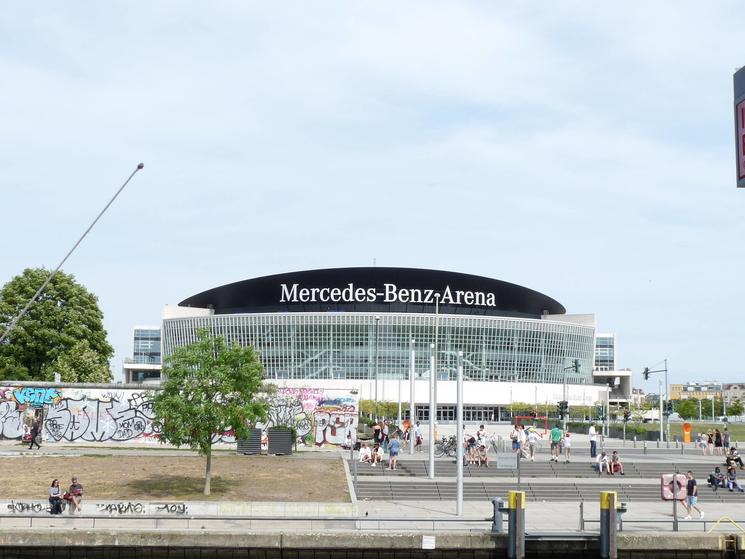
120	416
326	414
78	414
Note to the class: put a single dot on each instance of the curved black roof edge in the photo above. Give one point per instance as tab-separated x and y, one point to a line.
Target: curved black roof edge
376	289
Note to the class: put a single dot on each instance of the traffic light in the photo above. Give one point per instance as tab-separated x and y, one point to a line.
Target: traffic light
562	407
646	373
668	408
626	416
576	366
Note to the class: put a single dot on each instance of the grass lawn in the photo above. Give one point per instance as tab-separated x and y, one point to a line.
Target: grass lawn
737	430
178	478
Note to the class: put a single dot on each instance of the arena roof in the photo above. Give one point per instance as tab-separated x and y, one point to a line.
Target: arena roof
379	290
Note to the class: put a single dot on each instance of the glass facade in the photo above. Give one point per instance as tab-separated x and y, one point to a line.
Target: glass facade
369	346
146	346
605	349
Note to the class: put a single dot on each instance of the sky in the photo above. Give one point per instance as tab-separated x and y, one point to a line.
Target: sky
580	149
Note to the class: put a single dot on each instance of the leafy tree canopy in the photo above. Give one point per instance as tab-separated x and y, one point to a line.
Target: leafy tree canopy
210	387
82	364
63	316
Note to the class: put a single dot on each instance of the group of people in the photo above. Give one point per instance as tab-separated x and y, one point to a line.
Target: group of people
382	435
374	455
525	440
611	465
718	479
714	442
476	447
727	479
73	496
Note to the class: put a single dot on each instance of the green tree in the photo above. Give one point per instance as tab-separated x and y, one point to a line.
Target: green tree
687	409
63	315
210	387
735	408
82	364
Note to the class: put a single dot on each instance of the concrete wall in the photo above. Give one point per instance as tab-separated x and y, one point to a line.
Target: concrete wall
112	414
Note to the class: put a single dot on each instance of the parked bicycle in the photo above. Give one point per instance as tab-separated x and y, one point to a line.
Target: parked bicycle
446	446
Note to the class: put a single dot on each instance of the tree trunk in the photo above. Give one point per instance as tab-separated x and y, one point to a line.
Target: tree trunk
208	473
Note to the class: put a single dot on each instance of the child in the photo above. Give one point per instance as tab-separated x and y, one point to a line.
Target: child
567	447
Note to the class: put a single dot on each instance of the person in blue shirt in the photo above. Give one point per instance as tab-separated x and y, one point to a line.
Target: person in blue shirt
393	449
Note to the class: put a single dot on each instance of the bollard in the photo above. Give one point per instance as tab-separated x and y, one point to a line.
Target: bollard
645	447
658	443
634	441
608	524
516	525
497	525
682	448
676	443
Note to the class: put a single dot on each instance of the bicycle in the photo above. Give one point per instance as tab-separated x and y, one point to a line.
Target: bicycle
446	446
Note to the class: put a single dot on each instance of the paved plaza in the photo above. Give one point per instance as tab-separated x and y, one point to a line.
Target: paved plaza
560	497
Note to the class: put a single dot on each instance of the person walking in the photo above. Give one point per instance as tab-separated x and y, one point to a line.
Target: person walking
533	436
593	441
35	434
417	437
567	447
692	496
556	436
393	449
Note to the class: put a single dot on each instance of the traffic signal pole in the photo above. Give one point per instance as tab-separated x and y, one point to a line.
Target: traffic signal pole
663	410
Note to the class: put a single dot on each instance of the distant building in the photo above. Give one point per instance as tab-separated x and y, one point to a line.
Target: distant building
638	397
732	392
696	390
606	372
145	364
605	352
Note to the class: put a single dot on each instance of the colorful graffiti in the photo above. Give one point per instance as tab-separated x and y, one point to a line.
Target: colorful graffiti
119	416
36	397
328	414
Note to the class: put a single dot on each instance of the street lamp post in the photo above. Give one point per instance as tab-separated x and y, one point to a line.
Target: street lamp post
432	411
377	322
412	403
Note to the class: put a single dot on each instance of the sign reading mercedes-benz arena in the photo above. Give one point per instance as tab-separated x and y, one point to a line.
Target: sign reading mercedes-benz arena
391	293
739	80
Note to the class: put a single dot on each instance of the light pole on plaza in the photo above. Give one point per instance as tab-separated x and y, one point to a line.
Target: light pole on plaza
377	322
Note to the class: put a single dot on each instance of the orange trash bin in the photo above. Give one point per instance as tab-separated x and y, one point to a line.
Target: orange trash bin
686	432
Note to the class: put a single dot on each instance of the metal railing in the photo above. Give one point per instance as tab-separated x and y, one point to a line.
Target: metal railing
190	522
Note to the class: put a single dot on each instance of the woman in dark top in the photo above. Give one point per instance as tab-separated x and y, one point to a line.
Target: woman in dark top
55	498
718	442
35	435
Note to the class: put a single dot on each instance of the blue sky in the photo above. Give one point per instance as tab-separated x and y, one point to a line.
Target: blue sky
581	149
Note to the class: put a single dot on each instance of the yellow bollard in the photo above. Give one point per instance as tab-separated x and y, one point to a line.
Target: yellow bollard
516	525
608	525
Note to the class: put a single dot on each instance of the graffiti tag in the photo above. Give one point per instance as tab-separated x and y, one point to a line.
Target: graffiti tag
36	397
21	507
122	508
172	508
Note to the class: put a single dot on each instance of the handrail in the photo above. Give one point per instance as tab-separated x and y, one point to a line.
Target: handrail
356	522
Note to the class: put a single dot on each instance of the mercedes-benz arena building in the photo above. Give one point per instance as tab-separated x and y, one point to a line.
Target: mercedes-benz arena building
352	328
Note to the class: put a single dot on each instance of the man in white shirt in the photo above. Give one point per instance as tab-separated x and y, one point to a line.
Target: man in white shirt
601	463
365	454
593	441
482	435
